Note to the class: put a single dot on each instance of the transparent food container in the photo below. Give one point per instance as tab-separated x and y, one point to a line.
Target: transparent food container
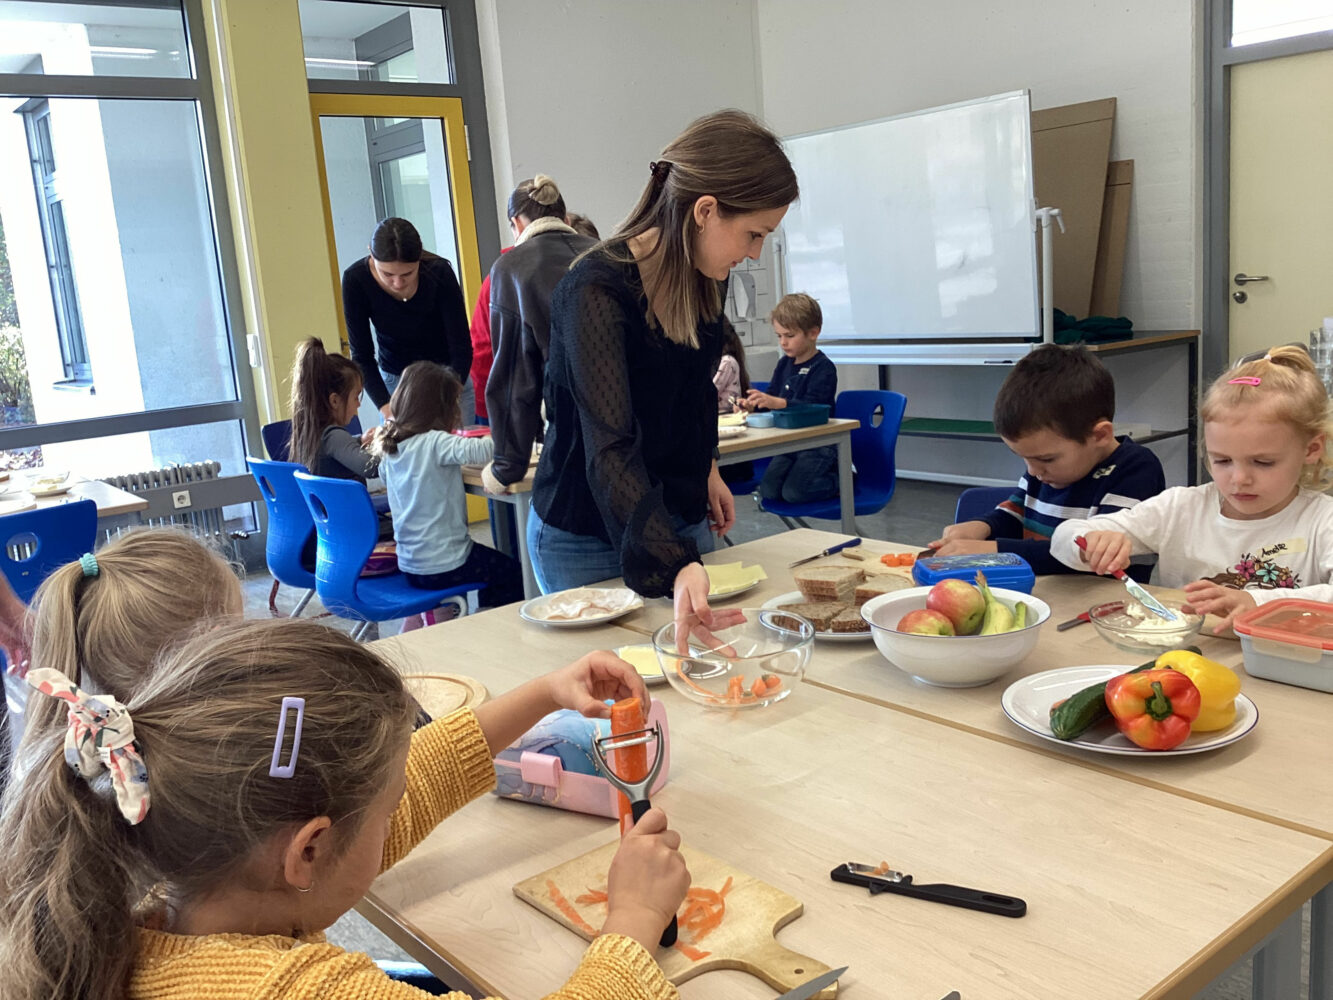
1290	642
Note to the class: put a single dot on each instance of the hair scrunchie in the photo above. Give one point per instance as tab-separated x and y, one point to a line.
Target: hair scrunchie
100	737
88	562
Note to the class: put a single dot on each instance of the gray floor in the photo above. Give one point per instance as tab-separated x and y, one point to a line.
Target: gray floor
917	513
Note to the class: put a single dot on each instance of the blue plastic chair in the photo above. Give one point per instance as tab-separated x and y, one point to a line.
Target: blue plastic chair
347	527
979	500
34	543
290	530
873	450
277	437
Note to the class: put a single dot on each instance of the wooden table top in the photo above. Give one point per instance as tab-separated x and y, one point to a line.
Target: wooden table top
1109	868
110	500
1282	771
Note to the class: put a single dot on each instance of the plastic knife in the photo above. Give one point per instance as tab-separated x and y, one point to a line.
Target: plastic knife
813	986
820	555
1135	591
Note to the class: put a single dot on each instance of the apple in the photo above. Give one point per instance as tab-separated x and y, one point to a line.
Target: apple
960	602
926	622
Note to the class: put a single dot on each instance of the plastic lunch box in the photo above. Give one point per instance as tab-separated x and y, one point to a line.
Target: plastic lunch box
801	415
1002	569
1289	641
552	763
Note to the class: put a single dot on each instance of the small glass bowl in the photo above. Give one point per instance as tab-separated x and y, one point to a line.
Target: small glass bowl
754	663
1129	626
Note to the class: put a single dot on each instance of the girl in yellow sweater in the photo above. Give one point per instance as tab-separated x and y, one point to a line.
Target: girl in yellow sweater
197	841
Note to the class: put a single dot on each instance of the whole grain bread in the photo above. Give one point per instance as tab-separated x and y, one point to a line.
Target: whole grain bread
829	582
881	585
849	620
820	614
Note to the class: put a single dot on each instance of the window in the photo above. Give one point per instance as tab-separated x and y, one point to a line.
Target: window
1255	21
352	40
51	212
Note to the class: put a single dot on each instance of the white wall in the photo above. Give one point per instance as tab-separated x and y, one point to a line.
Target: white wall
590	92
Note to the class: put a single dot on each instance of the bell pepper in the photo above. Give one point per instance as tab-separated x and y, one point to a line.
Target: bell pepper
1218	686
1153	708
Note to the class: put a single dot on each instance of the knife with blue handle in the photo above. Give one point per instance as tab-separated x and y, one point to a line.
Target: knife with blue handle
820	555
813	986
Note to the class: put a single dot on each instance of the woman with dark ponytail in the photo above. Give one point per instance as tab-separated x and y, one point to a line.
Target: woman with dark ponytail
412	299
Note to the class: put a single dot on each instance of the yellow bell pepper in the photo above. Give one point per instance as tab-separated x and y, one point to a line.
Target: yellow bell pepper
1218	686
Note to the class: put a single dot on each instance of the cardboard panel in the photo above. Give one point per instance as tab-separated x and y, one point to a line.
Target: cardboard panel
1109	273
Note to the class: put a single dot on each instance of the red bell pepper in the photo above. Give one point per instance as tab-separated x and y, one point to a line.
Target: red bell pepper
1153	708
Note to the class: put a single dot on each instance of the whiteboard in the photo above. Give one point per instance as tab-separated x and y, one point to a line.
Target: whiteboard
918	227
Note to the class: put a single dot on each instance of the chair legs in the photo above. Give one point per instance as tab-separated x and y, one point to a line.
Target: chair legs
301	604
793	522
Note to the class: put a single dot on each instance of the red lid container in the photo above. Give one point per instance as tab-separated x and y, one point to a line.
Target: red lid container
1299	622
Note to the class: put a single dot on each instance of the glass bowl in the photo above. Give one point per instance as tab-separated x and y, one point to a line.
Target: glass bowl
748	665
1130	626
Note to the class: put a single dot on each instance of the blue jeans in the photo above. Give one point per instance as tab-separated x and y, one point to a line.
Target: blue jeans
562	559
804	477
467	399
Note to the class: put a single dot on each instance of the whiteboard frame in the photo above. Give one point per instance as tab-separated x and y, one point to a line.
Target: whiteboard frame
976	349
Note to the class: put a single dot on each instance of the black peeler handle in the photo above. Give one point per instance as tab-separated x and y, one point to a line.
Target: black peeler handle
637	809
937	892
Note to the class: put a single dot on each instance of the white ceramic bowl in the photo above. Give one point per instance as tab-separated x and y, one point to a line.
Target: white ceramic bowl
951	660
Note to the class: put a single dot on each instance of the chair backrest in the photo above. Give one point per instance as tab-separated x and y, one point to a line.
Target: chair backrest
278	437
758	384
47	538
873	444
348	529
291	530
978	500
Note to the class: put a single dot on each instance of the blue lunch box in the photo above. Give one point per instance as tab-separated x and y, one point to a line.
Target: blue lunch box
1002	569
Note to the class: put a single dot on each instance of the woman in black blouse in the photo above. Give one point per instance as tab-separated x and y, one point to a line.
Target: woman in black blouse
627	483
413	299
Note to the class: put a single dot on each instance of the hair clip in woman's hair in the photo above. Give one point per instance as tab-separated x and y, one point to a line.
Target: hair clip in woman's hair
659	169
276	770
88	562
1245	380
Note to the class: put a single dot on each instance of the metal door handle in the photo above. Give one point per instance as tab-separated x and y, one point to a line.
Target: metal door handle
1242	278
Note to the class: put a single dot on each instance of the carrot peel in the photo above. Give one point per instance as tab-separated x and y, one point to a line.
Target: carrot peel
567	908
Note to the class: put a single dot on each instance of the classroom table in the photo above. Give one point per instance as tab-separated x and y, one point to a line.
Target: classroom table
1133	890
757	442
114	505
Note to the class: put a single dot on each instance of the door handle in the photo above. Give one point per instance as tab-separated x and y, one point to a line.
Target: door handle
1243	278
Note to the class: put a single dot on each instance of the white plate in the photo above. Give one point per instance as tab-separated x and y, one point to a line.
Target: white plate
650	655
12	503
795	597
53	491
1028	703
730	432
531	611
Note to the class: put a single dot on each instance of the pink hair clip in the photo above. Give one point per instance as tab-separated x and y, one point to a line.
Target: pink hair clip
1245	380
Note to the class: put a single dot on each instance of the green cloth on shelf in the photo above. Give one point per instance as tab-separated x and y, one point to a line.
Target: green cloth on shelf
940	425
1093	330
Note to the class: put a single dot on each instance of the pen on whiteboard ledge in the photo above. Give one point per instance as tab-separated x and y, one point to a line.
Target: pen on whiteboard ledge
988	361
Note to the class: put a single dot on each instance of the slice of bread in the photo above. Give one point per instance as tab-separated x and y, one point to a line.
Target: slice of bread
829	582
850	620
881	585
820	614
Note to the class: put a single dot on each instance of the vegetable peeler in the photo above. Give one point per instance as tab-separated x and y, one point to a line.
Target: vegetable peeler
635	791
883	879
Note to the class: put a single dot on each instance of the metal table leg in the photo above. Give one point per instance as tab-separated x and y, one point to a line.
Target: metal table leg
1321	945
1277	963
845	490
522	505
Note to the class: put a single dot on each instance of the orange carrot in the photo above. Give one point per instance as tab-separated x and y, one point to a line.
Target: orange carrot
772	682
567	908
693	954
680	672
758	688
881	869
735	687
889	559
631	763
591	896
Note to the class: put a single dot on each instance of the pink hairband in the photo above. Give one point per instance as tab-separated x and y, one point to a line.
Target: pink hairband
1245	380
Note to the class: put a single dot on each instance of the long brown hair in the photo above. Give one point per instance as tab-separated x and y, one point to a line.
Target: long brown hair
730	156
426	400
152	588
73	871
317	375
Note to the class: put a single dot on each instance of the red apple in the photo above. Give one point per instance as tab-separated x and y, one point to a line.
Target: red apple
926	622
960	602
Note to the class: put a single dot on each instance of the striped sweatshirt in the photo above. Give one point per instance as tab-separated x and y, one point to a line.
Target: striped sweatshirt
1024	521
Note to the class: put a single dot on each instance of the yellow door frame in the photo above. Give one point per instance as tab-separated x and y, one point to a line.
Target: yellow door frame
449	112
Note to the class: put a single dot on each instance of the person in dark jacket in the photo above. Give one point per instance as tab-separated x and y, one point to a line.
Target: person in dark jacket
521	285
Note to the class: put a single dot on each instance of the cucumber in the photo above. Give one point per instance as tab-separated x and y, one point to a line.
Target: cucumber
1080	712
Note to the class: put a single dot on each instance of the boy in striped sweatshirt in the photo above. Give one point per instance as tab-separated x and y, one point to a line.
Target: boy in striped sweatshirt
1054	412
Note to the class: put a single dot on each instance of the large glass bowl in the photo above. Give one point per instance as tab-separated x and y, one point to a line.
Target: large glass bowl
755	663
1130	626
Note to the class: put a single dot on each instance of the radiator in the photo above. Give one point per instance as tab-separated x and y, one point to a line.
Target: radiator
158	484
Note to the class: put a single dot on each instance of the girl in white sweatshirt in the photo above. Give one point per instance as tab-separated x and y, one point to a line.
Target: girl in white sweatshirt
1263	528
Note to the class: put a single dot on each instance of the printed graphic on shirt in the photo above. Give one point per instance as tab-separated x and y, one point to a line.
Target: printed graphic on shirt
1260	570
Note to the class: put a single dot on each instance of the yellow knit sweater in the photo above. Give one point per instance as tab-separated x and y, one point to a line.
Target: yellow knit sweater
448	766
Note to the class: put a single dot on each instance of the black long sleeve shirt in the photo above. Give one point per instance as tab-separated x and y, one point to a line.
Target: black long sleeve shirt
632	423
430	326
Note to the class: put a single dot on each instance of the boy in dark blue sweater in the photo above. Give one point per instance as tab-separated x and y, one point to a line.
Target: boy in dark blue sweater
804	375
1054	411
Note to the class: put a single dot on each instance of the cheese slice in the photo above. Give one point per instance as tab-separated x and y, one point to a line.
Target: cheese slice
642	658
727	578
731	420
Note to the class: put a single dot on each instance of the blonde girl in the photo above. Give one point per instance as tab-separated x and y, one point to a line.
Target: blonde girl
245	798
326	391
628	484
1263	528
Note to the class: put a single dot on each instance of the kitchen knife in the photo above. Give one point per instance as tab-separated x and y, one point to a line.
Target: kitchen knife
820	555
1135	591
1077	620
810	988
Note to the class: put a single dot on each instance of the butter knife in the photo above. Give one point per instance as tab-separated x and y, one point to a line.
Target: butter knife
820	555
1136	591
813	986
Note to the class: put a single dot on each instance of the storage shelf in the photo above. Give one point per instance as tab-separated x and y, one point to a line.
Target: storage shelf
984	430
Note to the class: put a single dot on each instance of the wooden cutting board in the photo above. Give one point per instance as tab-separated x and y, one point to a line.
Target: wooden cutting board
744	940
440	694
